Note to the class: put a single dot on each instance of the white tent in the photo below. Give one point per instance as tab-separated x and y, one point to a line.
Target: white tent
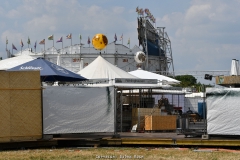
149	75
102	69
14	61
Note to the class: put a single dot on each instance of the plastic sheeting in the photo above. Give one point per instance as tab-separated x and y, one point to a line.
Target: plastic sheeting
78	110
223	111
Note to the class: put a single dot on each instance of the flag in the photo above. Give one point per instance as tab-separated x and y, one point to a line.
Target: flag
60	40
128	41
115	38
6	41
80	36
69	36
141	12
137	9
35	45
28	41
88	40
42	41
121	37
13	47
50	37
21	43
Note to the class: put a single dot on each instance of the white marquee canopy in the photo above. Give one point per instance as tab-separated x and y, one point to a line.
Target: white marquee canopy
14	61
149	75
102	69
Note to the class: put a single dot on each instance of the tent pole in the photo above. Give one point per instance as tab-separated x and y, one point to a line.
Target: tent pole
115	114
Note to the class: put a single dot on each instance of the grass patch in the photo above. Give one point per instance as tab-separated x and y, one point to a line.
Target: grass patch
119	153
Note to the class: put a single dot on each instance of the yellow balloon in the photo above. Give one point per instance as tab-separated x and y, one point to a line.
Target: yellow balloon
99	41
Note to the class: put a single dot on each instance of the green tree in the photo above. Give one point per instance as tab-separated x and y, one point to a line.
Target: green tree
190	81
186	81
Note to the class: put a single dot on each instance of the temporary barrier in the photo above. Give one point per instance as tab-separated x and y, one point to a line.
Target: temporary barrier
21	106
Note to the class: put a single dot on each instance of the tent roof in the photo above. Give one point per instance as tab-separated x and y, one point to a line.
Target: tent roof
149	75
14	61
101	68
49	71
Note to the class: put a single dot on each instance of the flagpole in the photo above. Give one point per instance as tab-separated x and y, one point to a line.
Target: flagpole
71	43
12	51
80	37
6	46
44	50
53	41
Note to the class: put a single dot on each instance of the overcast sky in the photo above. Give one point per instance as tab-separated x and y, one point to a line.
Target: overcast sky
204	34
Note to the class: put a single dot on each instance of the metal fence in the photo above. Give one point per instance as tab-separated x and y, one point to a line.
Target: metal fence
157	110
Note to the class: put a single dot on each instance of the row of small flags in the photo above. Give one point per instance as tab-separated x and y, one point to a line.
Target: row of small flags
51	37
121	38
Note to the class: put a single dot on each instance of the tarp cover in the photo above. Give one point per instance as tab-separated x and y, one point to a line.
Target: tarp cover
78	110
223	110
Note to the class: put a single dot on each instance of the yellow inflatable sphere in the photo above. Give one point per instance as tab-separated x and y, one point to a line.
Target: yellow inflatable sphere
99	41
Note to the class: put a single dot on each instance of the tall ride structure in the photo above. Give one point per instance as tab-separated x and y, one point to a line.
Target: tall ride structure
156	44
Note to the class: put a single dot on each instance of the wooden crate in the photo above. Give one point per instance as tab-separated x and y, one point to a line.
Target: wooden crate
138	116
155	123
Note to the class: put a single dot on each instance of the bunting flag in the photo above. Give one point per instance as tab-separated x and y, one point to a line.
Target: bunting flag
42	41
121	37
13	47
6	40
141	12
28	41
21	43
147	11
80	37
35	45
115	38
69	36
60	40
128	41
50	37
88	40
137	10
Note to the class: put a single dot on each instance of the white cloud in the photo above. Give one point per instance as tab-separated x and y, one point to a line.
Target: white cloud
118	10
40	24
196	13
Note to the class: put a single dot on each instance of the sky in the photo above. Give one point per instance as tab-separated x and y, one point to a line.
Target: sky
204	34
